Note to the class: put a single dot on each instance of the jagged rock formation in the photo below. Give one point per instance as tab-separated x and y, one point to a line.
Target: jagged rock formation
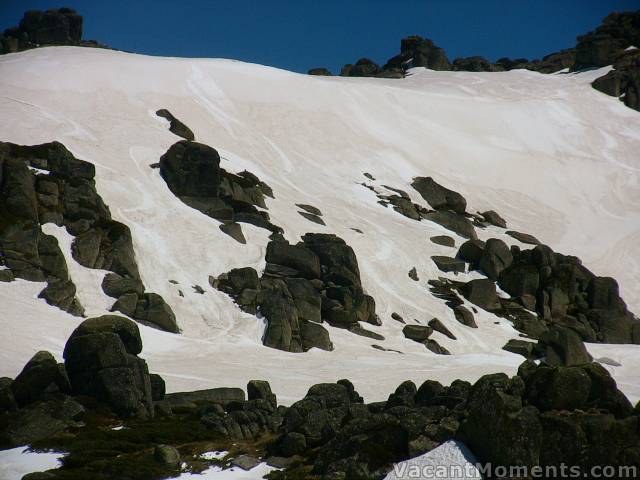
37	28
192	172
303	285
47	184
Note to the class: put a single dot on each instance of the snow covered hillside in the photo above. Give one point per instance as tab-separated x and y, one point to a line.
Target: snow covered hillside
556	158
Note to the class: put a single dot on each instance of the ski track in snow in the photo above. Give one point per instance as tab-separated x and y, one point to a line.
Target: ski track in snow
554	157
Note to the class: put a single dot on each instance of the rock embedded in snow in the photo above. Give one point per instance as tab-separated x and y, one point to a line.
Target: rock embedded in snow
417	333
438	326
176	126
413	274
310	209
454	222
443	240
523	237
439	197
494	218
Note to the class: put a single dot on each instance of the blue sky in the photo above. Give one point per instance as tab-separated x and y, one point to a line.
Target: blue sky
300	34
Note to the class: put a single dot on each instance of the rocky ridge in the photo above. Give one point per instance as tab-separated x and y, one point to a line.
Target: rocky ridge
545	416
609	44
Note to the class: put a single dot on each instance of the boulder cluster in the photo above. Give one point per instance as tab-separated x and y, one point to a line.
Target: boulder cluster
416	51
46	184
542	417
547	415
192	172
449	207
101	369
558	288
303	285
62	26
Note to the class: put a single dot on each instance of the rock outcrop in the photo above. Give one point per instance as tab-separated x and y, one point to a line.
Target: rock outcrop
303	285
62	26
46	184
192	172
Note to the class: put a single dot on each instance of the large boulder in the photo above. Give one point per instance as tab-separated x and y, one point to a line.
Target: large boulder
495	258
40	378
101	363
439	197
563	347
482	292
191	169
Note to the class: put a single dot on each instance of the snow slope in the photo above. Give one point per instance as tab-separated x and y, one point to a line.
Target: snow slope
555	157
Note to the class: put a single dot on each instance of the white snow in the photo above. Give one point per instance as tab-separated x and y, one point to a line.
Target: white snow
234	473
17	462
450	461
553	156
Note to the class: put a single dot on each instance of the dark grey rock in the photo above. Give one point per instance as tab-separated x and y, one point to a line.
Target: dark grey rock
167	455
438	326
312	218
563	347
40	378
495	258
492	217
464	316
417	333
234	230
439	197
444	240
309	208
413	274
454	222
482	292
523	237
176	126
520	347
449	264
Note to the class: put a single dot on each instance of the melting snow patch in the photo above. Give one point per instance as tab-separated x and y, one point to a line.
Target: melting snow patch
235	473
214	455
450	461
17	462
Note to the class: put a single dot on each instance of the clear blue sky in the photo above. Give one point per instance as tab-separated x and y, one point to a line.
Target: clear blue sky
300	34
